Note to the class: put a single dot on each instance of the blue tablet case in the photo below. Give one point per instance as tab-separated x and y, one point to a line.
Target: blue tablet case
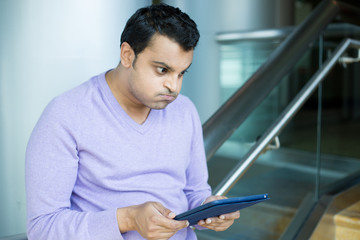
218	207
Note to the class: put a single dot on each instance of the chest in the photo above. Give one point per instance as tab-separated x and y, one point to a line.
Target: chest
110	150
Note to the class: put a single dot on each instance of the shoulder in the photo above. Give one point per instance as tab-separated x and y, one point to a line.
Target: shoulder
70	104
75	97
78	93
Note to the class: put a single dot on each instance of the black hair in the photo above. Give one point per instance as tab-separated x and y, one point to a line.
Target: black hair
164	20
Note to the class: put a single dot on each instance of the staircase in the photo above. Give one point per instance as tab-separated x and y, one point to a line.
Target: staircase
342	218
288	175
347	223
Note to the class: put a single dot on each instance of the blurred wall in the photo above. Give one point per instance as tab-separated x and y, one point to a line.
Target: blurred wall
46	48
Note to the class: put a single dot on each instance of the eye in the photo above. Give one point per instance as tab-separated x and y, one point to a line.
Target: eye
161	70
182	73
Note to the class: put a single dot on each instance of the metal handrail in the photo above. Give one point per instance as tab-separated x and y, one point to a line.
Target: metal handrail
332	30
288	113
220	126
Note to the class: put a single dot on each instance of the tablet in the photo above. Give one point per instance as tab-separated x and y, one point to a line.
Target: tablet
219	207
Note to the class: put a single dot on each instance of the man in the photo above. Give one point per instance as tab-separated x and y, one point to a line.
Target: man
120	155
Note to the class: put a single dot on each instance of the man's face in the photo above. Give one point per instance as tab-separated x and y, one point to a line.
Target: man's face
156	76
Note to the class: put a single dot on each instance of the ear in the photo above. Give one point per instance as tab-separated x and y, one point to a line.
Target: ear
127	55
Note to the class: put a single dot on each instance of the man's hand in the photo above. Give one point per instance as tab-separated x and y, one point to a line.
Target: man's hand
151	220
222	222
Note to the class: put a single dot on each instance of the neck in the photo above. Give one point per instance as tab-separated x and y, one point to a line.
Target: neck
115	79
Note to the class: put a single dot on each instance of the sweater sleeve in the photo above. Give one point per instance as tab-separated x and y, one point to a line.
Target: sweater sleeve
197	188
51	173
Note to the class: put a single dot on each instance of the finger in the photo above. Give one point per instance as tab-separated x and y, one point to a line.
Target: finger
208	221
233	215
227	216
178	224
171	215
223	221
173	225
213	198
170	224
217	225
163	210
214	220
219	228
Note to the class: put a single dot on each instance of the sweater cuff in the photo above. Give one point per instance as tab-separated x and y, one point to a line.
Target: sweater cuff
103	225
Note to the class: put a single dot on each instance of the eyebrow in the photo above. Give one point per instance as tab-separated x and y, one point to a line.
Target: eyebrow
168	67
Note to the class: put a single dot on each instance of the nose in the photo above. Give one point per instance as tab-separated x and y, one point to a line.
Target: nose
171	83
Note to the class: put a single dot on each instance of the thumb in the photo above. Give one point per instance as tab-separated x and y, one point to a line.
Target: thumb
164	211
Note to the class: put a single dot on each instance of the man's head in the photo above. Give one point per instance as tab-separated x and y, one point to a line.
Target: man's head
160	19
157	48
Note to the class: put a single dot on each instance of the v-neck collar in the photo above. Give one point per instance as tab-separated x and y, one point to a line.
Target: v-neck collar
120	113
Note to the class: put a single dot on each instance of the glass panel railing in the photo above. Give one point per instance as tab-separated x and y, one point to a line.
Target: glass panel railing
239	60
274	172
290	172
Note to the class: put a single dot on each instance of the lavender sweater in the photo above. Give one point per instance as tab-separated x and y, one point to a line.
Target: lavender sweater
86	157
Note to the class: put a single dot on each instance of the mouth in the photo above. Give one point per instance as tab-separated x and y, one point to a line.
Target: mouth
168	97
